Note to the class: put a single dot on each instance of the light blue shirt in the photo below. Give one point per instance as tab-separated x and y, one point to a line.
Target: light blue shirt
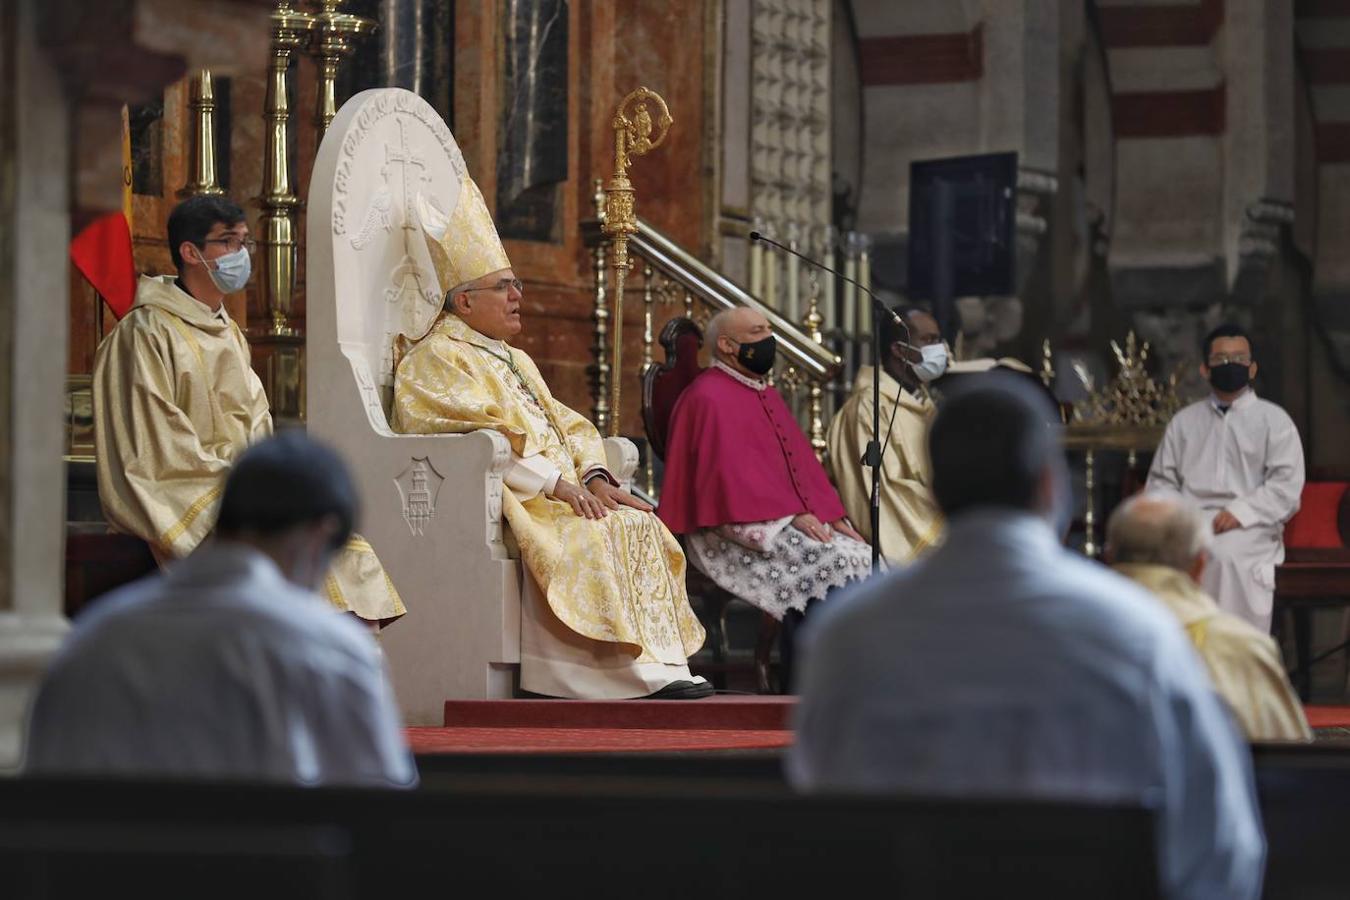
220	668
1004	665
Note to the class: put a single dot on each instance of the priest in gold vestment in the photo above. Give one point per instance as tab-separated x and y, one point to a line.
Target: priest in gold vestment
605	614
1163	543
176	400
910	520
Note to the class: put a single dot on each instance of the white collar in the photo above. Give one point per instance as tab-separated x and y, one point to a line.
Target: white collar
755	384
1242	399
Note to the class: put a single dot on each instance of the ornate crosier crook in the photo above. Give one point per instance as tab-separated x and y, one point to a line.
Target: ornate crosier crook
633	129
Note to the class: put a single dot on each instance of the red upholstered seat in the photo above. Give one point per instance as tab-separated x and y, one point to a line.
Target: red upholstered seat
1316	569
1323	517
662	384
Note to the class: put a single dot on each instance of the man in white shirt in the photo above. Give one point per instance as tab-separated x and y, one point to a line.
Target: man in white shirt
228	665
1239	459
1002	665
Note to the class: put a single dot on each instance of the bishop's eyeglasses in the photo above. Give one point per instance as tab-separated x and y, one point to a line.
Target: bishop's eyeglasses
502	285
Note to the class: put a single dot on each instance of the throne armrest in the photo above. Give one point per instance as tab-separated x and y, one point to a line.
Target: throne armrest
438	478
621	455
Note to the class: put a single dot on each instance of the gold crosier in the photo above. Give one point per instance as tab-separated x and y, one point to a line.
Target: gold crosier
633	136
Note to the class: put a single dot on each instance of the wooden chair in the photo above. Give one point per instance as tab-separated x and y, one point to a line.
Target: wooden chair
1315	573
662	385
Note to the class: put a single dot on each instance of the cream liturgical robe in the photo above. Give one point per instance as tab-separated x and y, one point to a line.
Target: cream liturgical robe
910	520
175	401
1244	663
617	621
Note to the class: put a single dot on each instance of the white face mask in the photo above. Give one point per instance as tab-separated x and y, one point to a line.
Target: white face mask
933	364
231	271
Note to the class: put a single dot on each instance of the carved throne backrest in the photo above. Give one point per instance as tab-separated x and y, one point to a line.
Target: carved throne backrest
385	148
663	383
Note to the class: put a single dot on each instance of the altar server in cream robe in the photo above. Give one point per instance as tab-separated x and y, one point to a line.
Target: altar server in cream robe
176	400
605	614
1238	458
910	521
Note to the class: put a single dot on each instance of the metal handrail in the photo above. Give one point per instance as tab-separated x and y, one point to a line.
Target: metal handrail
705	283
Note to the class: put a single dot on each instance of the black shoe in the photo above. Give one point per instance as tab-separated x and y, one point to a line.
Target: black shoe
682	690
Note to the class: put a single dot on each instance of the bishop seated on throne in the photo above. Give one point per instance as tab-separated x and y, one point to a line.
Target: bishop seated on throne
605	614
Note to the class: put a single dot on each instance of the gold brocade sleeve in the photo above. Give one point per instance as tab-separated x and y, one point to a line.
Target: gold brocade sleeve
156	480
1248	673
439	389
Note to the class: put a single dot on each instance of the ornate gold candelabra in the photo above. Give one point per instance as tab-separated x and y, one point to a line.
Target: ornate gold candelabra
812	322
333	32
290	31
633	137
1129	413
202	106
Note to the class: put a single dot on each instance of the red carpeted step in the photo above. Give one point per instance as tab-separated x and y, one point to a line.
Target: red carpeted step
1328	716
590	740
714	713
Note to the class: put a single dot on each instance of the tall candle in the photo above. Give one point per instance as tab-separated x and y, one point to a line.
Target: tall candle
850	291
865	279
829	312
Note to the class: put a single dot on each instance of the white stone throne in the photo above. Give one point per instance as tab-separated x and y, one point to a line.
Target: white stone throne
431	505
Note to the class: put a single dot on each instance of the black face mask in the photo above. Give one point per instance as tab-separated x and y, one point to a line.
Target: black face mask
758	357
1229	377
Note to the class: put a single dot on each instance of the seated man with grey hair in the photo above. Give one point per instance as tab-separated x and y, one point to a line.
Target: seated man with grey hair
1163	543
743	484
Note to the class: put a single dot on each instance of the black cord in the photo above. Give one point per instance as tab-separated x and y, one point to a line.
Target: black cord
882	456
890	425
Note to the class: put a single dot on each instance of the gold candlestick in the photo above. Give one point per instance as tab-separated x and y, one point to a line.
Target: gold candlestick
815	407
290	30
331	41
202	106
633	128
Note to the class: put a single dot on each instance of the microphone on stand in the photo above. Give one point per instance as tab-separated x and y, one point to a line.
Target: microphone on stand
876	301
872	458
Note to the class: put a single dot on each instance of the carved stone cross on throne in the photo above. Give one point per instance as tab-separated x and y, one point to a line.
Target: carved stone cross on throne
408	284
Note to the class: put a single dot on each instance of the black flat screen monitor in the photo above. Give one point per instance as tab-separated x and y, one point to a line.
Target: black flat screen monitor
970	200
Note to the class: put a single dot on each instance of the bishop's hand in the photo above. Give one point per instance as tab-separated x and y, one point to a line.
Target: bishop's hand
614	497
583	502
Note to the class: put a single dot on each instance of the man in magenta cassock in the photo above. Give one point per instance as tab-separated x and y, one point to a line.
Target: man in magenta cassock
743	486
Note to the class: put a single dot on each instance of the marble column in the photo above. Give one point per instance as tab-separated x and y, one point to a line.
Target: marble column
34	231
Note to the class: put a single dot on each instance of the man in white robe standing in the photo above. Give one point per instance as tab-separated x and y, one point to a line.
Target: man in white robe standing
229	665
1238	458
